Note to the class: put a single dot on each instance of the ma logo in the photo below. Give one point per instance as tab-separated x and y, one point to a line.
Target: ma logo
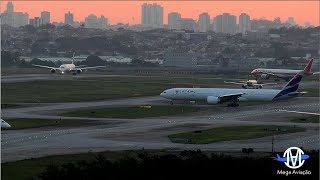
293	157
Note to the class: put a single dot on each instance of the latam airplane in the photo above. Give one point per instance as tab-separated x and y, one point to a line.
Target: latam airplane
233	96
4	124
69	68
285	74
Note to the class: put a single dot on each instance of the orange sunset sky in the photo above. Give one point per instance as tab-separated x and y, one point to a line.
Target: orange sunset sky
130	11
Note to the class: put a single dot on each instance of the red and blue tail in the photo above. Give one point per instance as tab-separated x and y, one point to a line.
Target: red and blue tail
292	86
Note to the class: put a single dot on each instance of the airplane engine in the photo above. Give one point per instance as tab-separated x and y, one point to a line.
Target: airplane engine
244	86
53	70
79	71
213	100
265	76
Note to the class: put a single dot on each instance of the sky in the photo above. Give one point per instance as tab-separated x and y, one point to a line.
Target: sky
130	11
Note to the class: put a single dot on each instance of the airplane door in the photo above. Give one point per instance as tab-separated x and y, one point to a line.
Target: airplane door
192	94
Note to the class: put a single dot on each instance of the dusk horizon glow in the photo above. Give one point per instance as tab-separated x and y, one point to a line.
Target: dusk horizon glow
130	11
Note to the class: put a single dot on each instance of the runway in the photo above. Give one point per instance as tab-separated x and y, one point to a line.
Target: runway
48	77
151	133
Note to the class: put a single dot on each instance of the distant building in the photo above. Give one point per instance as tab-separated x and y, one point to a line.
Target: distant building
102	22
277	20
291	21
180	60
36	22
244	23
262	25
68	18
204	22
225	23
152	15
92	21
15	19
45	16
187	24
173	20
217	24
307	25
10	8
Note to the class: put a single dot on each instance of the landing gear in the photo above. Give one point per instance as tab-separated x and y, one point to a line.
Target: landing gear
233	105
171	102
74	74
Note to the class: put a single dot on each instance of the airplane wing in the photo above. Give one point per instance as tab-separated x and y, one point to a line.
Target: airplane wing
230	97
81	66
238	83
94	67
301	112
48	67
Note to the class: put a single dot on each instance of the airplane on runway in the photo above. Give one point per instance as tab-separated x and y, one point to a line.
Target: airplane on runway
4	124
285	74
233	96
69	68
250	84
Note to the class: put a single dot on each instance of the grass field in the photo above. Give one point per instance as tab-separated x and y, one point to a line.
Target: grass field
13	71
132	112
36	123
311	92
309	119
92	89
29	169
3	106
102	88
231	133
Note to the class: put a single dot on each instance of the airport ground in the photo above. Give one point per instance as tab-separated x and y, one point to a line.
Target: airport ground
46	97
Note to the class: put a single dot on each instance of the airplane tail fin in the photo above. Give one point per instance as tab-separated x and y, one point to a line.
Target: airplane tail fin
292	86
307	69
73	58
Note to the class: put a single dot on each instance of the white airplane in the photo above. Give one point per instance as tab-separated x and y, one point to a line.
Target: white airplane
285	74
250	84
222	95
4	124
68	68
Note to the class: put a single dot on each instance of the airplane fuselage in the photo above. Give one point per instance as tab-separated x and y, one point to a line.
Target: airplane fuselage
283	73
67	68
193	94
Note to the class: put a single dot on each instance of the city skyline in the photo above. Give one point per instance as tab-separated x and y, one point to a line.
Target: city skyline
301	11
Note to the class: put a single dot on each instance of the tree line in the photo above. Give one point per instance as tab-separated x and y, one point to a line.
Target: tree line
9	59
183	165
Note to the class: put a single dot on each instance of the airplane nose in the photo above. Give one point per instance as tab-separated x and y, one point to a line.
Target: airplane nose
163	94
